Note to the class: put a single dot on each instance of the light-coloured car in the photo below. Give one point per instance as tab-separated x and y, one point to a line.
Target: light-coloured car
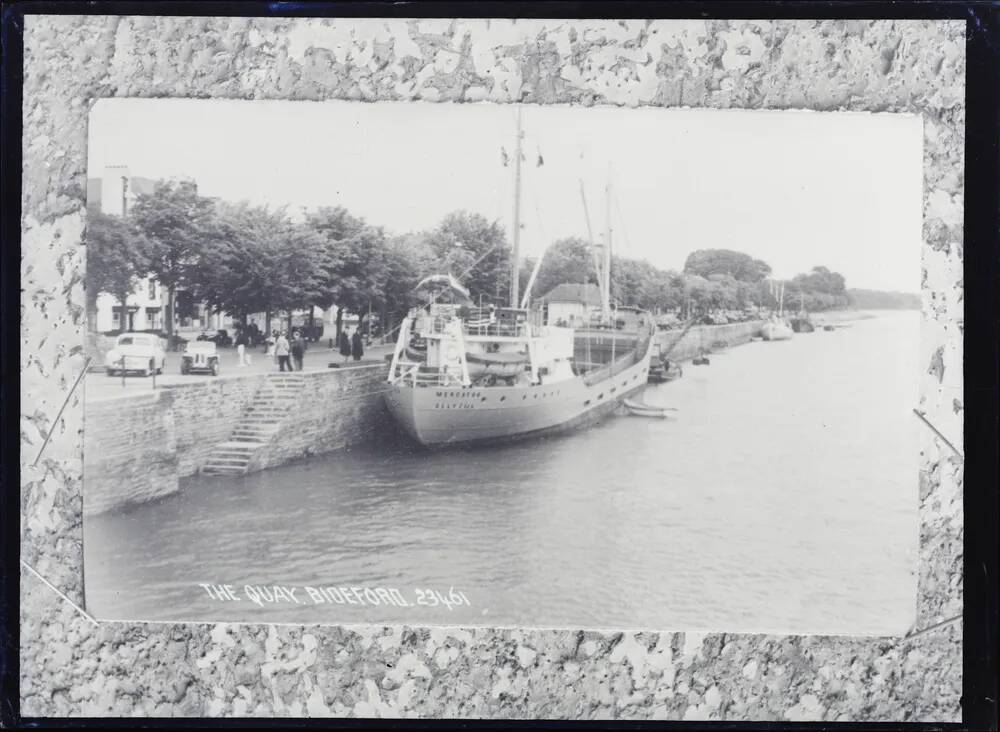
136	352
200	356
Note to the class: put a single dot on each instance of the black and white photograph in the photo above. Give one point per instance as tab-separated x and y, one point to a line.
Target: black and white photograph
375	364
504	365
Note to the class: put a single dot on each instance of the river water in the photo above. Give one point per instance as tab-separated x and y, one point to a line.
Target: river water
780	497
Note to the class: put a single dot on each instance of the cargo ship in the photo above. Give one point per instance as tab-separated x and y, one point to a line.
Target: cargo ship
492	375
461	374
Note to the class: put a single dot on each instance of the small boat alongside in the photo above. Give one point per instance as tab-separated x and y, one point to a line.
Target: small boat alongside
640	409
661	372
802	324
661	369
776	330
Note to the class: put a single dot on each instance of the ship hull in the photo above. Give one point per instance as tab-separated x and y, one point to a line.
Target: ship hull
438	416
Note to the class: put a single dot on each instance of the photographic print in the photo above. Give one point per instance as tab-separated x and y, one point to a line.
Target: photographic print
503	365
494	368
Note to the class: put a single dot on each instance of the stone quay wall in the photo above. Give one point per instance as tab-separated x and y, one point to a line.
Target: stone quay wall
129	451
139	448
337	408
703	336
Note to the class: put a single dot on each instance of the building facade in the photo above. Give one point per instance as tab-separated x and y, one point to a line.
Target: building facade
113	194
571	304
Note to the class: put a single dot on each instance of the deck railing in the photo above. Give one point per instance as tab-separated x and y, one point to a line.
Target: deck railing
418	374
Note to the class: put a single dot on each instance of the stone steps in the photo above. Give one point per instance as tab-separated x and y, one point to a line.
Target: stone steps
262	419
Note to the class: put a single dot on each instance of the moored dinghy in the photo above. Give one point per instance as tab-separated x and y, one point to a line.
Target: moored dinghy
641	409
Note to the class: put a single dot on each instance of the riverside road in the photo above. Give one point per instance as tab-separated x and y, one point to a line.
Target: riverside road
100	386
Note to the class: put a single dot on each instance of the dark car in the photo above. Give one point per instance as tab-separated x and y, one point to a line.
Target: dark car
311	333
220	338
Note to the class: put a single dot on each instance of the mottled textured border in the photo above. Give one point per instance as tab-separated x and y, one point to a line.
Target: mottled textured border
72	667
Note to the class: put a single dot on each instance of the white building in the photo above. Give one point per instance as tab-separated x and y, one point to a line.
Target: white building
571	304
113	193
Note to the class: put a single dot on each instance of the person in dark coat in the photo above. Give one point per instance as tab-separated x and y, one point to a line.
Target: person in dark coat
357	346
298	350
344	345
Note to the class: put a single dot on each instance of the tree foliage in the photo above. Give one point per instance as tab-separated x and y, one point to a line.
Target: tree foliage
176	225
476	251
245	259
740	266
565	260
116	259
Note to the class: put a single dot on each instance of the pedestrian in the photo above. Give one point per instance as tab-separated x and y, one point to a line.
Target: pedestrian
241	347
298	350
357	347
344	345
281	350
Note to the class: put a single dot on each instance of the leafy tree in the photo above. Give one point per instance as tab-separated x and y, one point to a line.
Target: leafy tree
353	263
821	279
176	224
566	260
116	260
408	259
705	262
476	251
259	262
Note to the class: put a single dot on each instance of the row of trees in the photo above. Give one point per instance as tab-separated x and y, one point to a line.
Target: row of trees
245	259
712	279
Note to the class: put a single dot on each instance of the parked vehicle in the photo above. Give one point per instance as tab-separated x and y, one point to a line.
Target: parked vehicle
220	338
200	356
312	333
136	352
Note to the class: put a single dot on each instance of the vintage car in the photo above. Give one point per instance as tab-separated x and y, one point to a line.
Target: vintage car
200	356
136	352
219	337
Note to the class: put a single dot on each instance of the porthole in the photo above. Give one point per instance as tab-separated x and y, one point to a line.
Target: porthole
503	398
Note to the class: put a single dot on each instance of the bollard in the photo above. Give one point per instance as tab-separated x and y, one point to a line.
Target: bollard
123	372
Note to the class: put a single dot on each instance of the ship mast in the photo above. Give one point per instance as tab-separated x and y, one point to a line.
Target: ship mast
606	280
516	234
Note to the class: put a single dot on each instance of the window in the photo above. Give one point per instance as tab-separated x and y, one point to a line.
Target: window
152	288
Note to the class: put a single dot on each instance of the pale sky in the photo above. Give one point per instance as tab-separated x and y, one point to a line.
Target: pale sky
794	188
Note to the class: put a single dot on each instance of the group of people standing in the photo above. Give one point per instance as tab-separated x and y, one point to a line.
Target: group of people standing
352	346
290	353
